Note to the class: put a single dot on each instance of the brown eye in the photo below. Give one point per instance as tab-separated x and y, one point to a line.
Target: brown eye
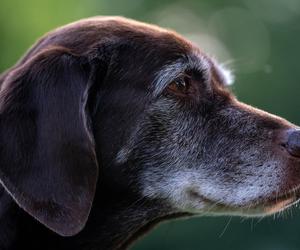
179	86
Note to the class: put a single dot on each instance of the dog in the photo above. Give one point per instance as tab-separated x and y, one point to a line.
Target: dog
109	126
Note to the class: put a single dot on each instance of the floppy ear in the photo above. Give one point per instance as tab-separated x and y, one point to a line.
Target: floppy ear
47	155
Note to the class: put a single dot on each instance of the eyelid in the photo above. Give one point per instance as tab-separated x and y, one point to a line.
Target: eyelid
171	72
182	76
180	80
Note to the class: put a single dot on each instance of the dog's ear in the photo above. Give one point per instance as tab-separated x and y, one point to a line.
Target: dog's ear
47	154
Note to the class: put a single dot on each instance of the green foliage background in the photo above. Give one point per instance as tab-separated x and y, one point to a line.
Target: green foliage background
258	39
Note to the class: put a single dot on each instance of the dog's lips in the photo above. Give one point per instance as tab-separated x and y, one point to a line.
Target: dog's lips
258	208
273	205
282	202
279	205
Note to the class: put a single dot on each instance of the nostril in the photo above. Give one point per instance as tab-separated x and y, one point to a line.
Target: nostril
293	142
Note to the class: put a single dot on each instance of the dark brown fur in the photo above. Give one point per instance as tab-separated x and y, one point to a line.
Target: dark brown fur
95	149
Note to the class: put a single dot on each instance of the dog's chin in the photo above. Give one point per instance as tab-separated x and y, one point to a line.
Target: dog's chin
256	208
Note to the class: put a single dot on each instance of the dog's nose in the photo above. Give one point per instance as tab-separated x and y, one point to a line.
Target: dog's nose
293	142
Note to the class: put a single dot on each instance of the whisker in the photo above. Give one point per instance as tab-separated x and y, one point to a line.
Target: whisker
225	228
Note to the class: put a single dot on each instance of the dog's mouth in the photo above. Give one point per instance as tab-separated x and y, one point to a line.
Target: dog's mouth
273	205
281	202
259	208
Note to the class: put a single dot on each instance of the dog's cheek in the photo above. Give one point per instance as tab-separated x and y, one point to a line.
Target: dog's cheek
166	151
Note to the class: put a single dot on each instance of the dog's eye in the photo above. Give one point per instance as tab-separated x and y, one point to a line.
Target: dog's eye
179	86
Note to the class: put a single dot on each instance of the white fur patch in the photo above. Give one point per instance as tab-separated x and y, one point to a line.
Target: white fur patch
225	73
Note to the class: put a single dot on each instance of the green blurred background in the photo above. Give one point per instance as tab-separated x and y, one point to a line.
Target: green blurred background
258	39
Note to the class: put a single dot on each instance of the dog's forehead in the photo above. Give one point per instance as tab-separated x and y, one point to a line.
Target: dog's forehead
83	35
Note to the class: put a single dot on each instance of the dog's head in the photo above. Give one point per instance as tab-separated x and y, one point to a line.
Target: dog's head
152	112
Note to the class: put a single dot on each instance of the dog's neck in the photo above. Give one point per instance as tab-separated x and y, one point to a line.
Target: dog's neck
115	223
120	222
122	219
